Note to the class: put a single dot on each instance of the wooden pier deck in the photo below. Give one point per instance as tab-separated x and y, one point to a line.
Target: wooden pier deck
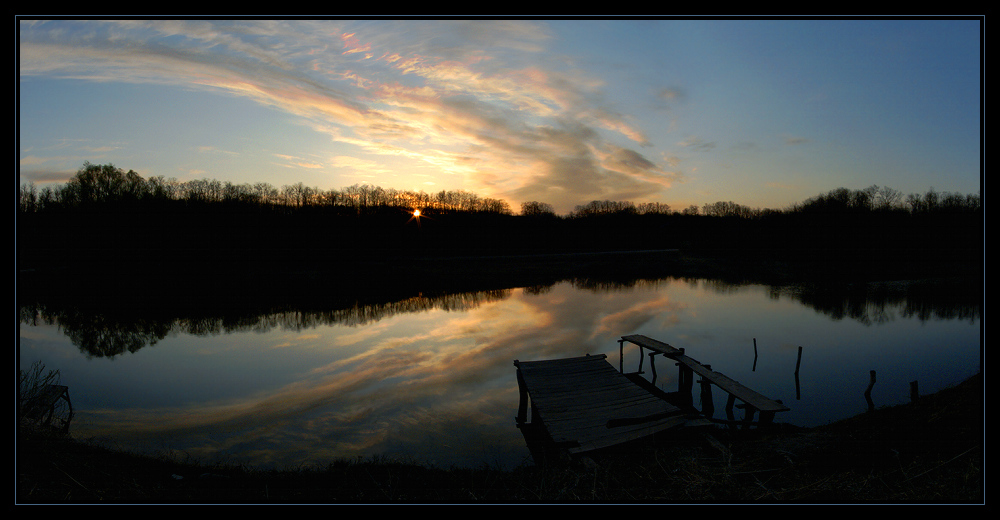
584	404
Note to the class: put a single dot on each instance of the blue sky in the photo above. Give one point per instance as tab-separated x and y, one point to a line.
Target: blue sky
765	113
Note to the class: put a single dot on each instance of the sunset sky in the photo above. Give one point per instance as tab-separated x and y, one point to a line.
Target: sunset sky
764	113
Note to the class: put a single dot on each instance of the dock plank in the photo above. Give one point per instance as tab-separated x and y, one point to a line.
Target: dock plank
586	404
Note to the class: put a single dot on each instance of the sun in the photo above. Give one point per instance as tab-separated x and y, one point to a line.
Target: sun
414	215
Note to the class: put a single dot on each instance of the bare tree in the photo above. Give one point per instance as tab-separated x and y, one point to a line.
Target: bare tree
537	209
886	198
27	200
654	208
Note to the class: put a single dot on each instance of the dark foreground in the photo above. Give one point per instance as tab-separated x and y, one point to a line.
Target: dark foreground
927	451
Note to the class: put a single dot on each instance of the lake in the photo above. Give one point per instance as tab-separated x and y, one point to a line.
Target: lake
432	380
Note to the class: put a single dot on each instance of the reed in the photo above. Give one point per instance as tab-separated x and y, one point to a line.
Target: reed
31	382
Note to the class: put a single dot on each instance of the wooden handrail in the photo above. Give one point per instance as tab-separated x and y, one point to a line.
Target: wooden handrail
753	399
652	344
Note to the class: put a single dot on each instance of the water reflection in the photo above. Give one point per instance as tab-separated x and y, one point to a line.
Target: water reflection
431	376
114	331
111	332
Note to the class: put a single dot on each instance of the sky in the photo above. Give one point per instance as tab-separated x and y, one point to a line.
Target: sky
764	113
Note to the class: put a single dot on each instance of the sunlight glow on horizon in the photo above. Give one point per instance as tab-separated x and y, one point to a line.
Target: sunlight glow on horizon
684	112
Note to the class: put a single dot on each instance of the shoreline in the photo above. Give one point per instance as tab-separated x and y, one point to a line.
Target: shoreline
927	451
314	284
763	266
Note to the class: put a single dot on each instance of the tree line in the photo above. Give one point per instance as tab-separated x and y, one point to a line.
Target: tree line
117	215
106	186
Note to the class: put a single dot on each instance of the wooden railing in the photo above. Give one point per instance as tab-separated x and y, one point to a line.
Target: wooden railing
752	402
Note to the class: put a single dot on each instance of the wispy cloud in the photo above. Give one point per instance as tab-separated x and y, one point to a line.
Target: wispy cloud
476	99
697	143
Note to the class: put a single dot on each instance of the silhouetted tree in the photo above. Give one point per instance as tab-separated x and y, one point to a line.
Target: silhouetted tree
604	207
653	208
27	200
886	198
728	209
102	184
537	209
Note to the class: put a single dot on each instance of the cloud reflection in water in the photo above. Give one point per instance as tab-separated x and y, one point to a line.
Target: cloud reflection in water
435	383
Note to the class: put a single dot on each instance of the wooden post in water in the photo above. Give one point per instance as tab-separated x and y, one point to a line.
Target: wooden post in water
868	392
754	355
798	361
707	406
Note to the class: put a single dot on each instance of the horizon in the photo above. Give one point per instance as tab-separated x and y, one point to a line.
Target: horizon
661	206
764	113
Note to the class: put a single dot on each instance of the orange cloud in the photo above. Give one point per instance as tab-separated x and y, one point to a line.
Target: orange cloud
506	131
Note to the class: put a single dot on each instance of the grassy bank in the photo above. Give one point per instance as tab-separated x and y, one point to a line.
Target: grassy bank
927	451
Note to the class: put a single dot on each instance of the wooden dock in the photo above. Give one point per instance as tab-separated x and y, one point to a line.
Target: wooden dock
583	404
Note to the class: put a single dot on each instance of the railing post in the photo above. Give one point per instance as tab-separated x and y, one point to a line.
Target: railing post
749	411
621	356
522	405
729	411
707	406
685	382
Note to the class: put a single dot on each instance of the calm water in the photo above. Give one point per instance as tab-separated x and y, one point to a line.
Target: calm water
433	380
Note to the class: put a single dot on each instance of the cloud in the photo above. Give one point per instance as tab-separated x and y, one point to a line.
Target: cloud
698	144
671	94
478	100
629	161
212	149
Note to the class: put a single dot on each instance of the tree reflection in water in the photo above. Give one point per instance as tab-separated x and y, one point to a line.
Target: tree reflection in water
112	331
334	373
